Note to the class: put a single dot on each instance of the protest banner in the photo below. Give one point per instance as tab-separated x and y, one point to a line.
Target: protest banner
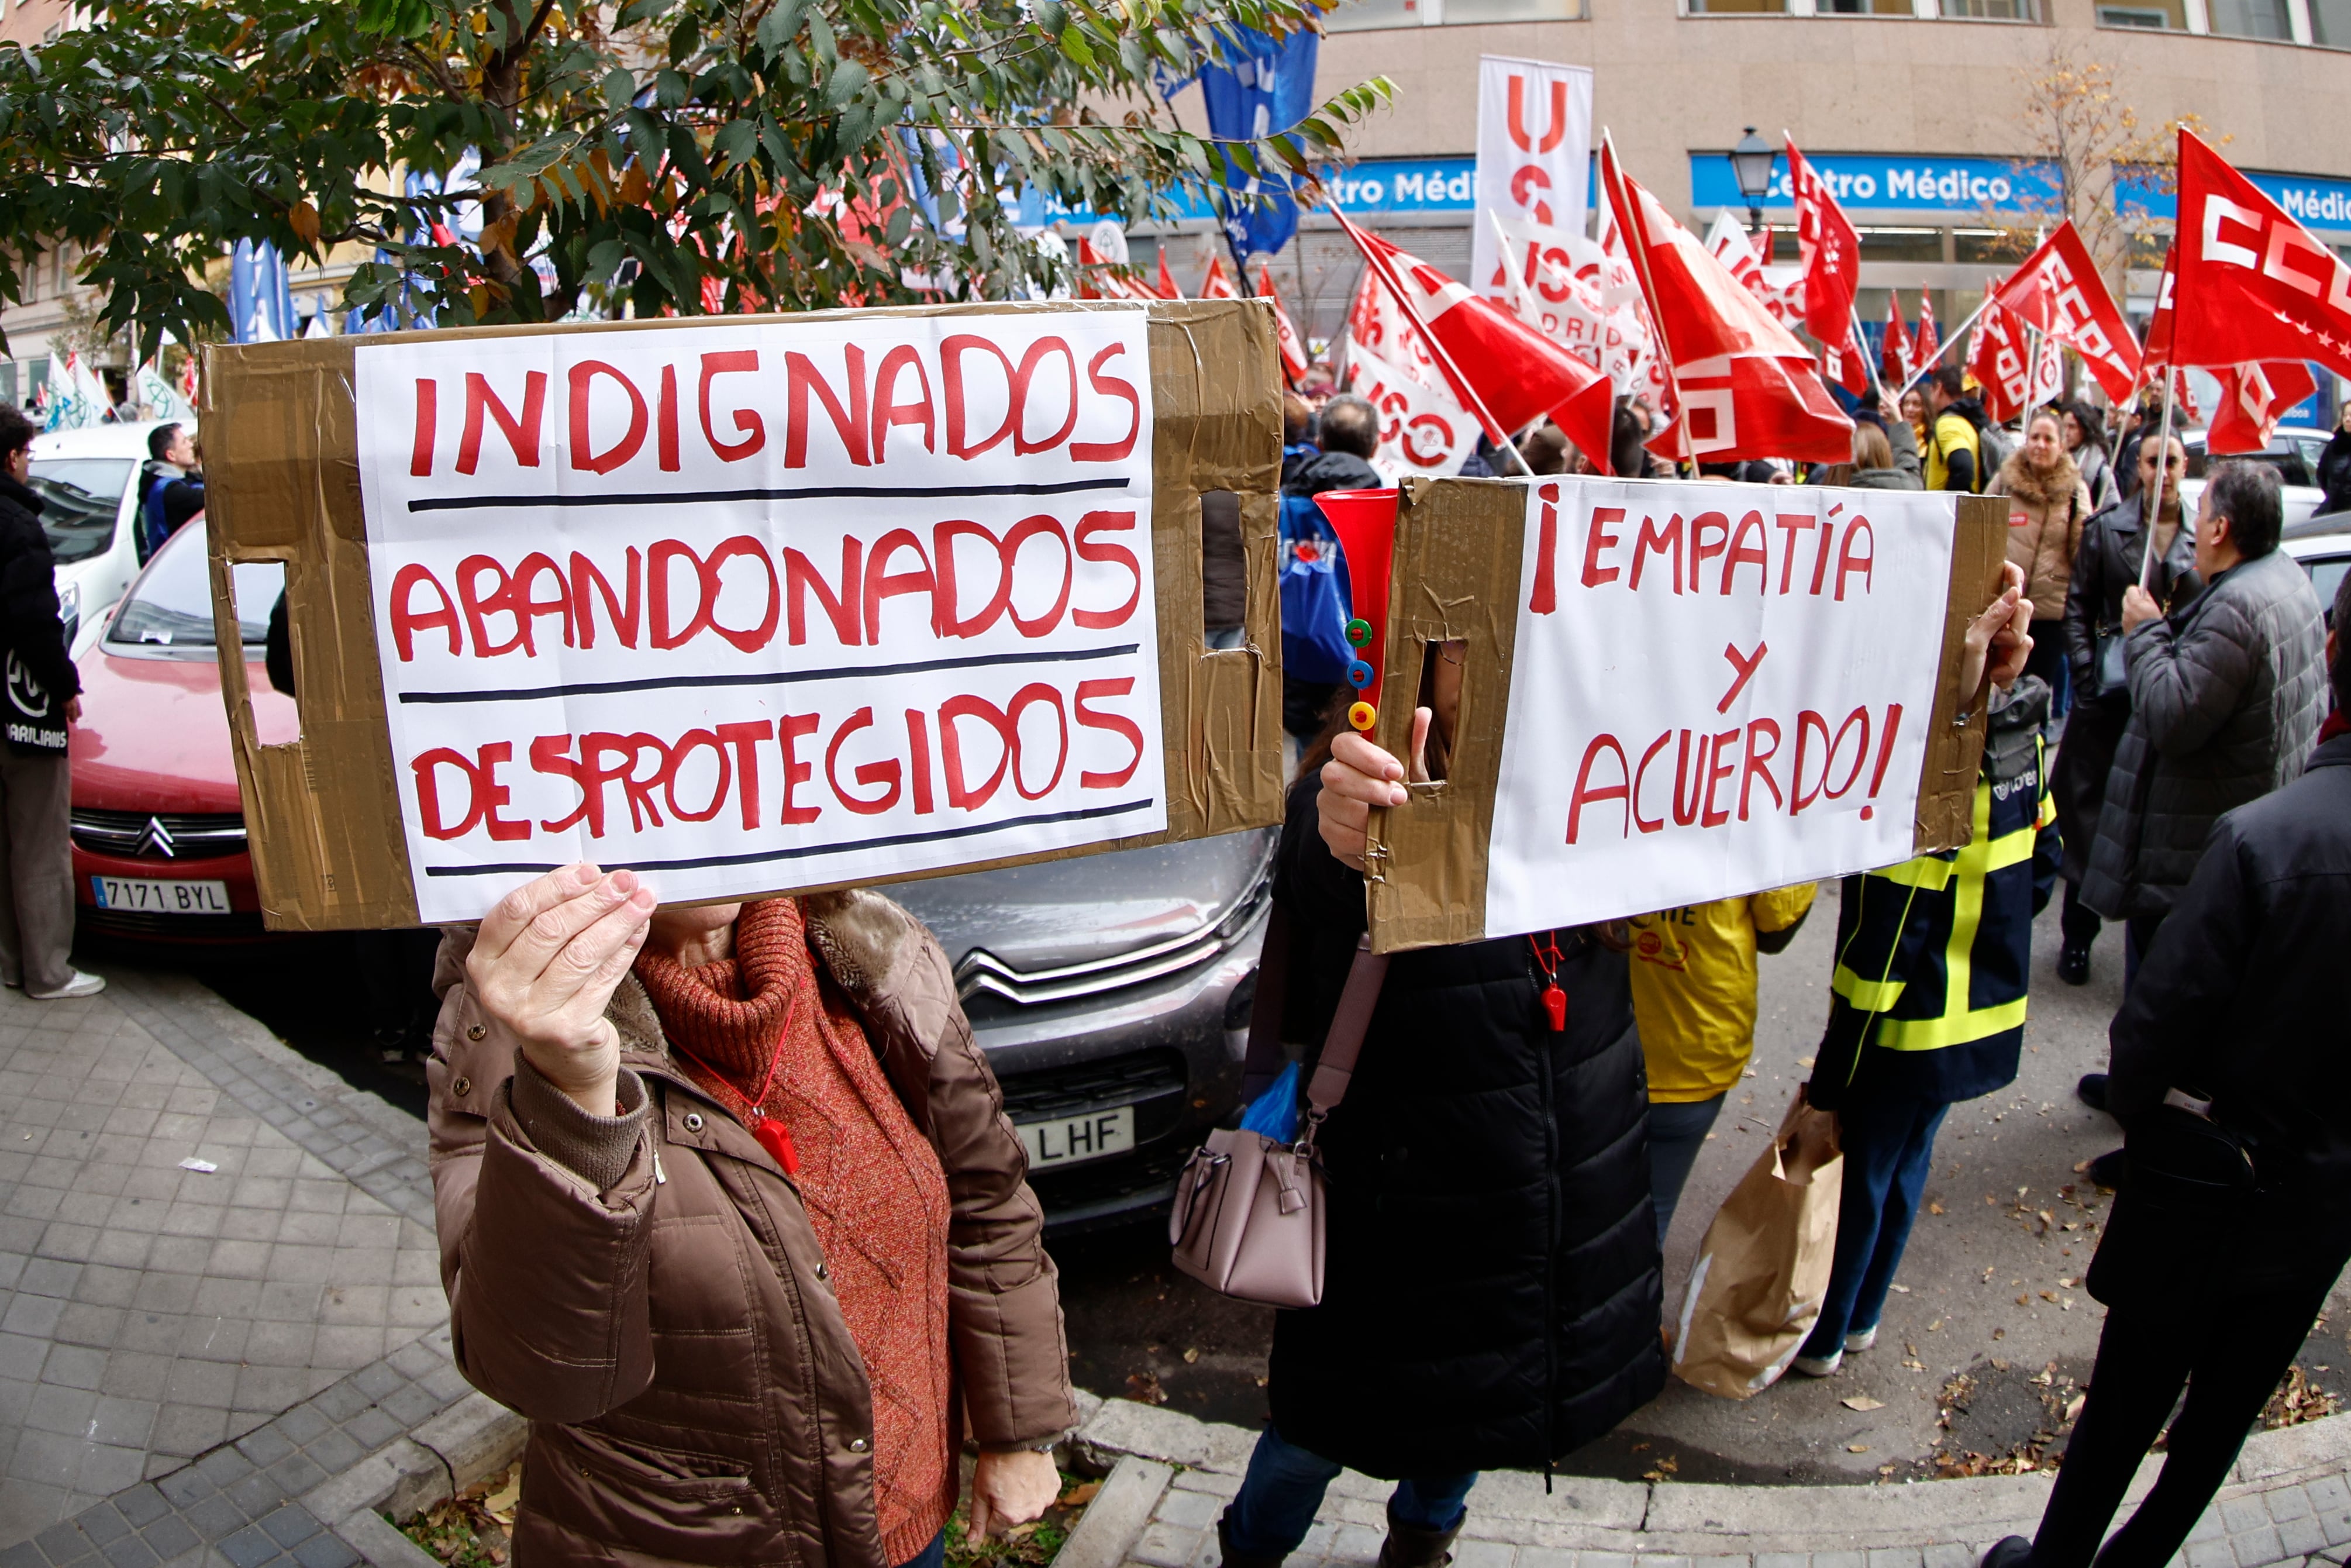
1672	693
750	605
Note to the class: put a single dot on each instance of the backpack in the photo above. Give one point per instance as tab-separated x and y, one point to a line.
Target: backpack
1315	595
1995	447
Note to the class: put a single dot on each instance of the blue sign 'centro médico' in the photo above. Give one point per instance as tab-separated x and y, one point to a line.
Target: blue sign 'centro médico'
1935	187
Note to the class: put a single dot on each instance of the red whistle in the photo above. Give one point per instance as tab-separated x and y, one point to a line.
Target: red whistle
777	1139
1554	1002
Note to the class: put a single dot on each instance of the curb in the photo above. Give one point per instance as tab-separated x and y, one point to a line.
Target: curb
1117	1516
1143	1446
475	1438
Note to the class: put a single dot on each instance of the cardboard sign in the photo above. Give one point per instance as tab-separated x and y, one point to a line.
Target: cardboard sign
751	605
1673	693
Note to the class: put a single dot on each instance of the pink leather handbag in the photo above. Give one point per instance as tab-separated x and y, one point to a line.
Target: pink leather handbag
1248	1212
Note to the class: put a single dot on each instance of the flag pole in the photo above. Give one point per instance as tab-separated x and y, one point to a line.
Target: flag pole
1861	346
1957	333
1461	383
2148	506
1636	246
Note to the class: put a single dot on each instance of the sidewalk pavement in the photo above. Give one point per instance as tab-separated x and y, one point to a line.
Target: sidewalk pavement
233	1365
2288	1501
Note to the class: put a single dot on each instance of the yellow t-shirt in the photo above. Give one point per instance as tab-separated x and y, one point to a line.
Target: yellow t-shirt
1951	432
1694	988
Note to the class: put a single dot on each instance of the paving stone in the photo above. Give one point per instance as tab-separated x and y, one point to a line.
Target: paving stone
2252	1548
170	1535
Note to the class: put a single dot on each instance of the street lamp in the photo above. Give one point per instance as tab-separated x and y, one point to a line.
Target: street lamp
1751	162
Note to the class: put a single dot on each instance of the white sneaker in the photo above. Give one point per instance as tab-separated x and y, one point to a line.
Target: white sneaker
81	985
1861	1339
1819	1365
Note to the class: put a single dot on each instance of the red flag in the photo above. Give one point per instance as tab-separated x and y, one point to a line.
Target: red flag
1167	289
2253	398
1847	364
1746	386
1294	363
2255	284
2058	290
1896	360
1831	253
1218	283
1997	363
1499	368
1099	278
2156	357
1927	349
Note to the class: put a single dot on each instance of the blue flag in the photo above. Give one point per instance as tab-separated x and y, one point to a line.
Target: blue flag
260	306
1262	89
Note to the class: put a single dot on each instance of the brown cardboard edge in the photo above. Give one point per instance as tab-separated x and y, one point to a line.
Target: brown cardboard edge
1947	775
1220	709
1458	558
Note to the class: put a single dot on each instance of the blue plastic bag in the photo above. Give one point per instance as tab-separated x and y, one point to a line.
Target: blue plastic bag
1274	1114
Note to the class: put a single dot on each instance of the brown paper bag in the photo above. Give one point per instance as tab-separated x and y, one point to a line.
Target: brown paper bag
1756	1290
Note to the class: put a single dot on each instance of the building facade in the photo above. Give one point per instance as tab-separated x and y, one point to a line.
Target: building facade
1913	109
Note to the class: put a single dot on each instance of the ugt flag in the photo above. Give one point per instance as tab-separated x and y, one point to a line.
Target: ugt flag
1534	154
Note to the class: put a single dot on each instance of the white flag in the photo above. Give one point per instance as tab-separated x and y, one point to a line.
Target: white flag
162	399
1421	429
1534	153
1559	284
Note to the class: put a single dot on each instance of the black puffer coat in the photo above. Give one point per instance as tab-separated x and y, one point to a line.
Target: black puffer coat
2226	696
1491	1289
31	624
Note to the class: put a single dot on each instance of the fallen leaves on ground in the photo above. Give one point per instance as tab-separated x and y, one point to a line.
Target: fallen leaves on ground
474	1529
1861	1402
2297	1400
1142	1387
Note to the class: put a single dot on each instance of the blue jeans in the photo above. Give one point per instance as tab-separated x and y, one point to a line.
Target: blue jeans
1890	1148
1223	637
1285	1485
935	1555
1677	1133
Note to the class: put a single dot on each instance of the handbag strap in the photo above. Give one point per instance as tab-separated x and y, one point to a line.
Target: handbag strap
1344	1039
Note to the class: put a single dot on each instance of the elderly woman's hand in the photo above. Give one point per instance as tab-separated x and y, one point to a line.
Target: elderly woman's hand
544	968
1010	1490
1359	777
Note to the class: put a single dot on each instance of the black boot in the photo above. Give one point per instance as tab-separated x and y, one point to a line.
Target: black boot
1241	1559
2014	1551
1410	1546
2073	964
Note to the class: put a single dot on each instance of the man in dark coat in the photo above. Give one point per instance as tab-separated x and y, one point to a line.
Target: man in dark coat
1350	433
2334	467
2225	698
2239	1006
36	901
2114	550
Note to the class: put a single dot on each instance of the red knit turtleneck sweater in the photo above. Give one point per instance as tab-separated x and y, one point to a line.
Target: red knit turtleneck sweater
869	1181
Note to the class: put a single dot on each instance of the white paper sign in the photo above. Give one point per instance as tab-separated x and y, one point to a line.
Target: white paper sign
1716	689
779	604
1534	153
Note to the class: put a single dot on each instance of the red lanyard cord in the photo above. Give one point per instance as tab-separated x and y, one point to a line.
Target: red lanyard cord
1547	960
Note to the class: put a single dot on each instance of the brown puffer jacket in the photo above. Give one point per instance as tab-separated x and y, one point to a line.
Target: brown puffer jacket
2046	514
695	1395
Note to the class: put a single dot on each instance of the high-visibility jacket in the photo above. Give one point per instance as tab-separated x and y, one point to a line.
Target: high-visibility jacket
1935	956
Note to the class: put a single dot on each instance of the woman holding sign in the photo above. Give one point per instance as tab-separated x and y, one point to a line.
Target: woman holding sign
1491	1287
729	1209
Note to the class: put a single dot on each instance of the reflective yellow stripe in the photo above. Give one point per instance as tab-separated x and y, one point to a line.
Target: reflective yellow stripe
1931	874
1951	1028
1869	996
1983	855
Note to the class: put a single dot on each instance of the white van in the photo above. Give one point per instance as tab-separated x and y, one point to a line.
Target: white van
90	479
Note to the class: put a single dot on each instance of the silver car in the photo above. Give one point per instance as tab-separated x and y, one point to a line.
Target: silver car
2292	451
1111	994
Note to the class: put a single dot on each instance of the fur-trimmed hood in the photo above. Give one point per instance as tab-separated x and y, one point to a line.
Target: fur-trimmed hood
2040	488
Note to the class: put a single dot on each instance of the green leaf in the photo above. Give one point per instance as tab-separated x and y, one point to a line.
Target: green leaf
849	80
1074	47
620	87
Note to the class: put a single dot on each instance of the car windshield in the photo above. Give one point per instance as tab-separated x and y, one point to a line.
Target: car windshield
171	605
2327	577
84	497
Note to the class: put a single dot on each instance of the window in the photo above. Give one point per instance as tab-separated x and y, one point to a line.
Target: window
1866	8
2330	23
1735	7
171	606
84	497
1901	245
1367	15
1993	10
2250	19
2166	15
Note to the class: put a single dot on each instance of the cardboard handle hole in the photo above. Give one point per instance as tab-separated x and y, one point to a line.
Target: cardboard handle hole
1223	573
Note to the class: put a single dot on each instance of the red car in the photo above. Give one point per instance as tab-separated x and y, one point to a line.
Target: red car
159	846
